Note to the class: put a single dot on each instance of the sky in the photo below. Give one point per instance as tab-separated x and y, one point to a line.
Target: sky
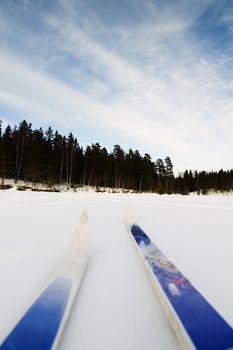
151	75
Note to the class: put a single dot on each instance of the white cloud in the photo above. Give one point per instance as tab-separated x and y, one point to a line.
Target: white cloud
151	83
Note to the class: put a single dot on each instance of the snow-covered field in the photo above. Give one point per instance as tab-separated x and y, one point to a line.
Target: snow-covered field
116	307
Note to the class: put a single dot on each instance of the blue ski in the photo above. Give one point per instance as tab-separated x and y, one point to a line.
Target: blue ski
195	323
41	326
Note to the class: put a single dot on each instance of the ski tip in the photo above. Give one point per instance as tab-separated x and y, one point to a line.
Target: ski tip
128	216
83	220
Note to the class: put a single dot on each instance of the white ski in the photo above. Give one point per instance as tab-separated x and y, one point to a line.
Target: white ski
195	323
41	327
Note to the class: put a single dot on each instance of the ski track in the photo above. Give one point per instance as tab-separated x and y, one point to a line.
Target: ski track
116	307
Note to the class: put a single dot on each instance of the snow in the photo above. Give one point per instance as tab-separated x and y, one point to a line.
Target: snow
116	307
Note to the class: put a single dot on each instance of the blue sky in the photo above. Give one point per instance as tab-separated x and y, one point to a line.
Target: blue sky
153	75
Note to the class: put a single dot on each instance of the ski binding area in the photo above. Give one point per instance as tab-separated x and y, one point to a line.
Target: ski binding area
41	326
195	323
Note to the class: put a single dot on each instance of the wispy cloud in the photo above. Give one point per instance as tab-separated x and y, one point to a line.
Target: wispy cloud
149	82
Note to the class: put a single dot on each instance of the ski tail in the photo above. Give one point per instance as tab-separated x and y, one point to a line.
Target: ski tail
195	323
41	327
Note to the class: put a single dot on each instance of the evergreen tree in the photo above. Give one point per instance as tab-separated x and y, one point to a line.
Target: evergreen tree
36	169
22	136
161	172
119	157
7	154
169	175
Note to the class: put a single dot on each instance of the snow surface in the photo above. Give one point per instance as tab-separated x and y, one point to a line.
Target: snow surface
116	307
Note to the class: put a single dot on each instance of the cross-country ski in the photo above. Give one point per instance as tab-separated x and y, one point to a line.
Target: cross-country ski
40	328
195	323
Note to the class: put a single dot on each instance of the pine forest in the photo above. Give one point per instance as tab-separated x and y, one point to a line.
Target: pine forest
35	157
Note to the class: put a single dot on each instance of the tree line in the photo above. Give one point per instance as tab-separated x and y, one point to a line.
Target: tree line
35	156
